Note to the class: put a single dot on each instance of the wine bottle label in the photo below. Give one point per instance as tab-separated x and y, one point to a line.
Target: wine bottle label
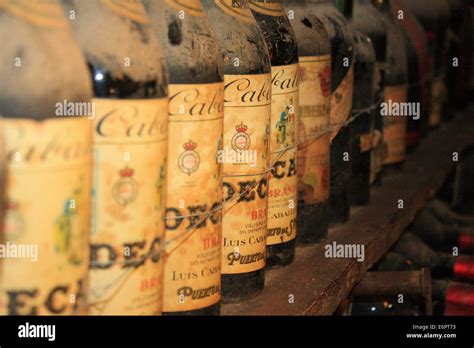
341	103
128	208
464	268
46	13
131	9
466	243
313	128
44	254
283	184
237	9
395	127
191	7
247	109
268	7
439	97
194	197
460	294
366	142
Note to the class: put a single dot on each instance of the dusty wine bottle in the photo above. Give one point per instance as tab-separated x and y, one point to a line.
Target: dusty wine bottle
395	109
192	275
442	265
342	79
130	144
368	19
283	180
247	111
434	18
419	89
363	114
314	49
45	99
441	236
364	118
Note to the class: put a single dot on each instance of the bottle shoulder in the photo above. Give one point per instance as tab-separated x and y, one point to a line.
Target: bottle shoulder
124	55
241	44
46	77
311	35
192	50
279	38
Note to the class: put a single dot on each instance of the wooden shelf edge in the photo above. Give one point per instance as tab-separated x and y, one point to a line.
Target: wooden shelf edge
314	284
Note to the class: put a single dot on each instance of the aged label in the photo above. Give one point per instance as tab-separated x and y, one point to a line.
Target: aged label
247	109
194	197
130	142
283	183
192	7
44	254
268	7
395	127
341	103
131	9
45	13
313	128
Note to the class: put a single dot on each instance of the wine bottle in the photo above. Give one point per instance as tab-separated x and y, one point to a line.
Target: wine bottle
342	79
362	113
283	181
434	17
453	294
364	118
45	101
440	264
130	144
314	49
247	112
419	89
368	20
444	213
459	54
395	93
440	236
196	108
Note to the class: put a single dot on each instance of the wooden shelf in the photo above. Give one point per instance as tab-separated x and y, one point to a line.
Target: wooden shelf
318	284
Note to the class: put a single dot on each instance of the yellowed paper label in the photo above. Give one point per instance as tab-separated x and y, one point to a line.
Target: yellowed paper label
45	253
439	97
131	9
45	13
130	146
267	7
247	111
283	184
395	127
238	9
192	7
313	127
341	103
194	189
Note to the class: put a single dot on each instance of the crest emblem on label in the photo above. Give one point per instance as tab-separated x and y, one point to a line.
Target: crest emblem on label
241	140
14	223
189	160
125	189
